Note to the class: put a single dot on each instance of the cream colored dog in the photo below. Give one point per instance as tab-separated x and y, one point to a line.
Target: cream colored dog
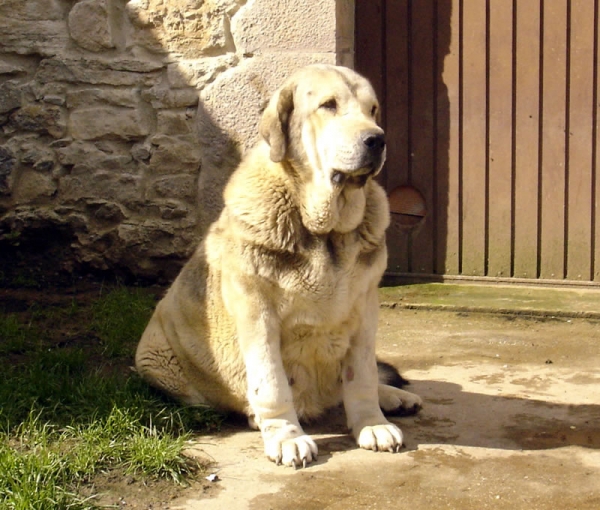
275	314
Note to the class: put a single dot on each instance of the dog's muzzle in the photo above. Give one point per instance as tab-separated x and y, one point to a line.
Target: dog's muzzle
374	155
369	164
374	142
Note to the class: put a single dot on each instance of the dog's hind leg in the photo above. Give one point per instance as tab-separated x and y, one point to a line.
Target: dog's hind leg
393	400
397	402
157	363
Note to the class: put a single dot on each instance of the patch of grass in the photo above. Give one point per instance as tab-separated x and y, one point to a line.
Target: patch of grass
72	407
33	472
13	334
43	466
119	318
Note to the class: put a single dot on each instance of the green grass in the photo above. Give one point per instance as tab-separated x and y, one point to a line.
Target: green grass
72	408
120	316
13	335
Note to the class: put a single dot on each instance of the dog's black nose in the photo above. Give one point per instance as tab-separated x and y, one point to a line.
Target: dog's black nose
374	141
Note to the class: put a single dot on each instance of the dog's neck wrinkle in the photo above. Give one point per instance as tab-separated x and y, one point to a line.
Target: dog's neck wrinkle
371	239
297	171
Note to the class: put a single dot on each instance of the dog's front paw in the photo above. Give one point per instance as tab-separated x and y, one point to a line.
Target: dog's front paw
295	452
381	438
288	445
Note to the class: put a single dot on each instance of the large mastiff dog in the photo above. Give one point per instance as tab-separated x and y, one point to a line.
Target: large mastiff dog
275	314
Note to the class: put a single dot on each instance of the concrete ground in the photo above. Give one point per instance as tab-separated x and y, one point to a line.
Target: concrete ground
511	418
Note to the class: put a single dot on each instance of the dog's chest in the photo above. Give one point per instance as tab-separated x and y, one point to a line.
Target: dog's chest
326	285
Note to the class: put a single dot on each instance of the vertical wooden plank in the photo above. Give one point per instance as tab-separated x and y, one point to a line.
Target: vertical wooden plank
397	81
473	143
368	41
581	106
372	42
500	138
397	108
369	51
526	139
596	141
422	136
447	137
552	185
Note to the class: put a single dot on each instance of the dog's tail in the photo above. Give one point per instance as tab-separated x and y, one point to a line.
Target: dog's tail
388	374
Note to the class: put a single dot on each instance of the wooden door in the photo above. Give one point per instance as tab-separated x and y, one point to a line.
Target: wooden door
490	110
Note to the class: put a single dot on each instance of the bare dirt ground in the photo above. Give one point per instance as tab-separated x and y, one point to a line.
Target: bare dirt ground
511	421
511	417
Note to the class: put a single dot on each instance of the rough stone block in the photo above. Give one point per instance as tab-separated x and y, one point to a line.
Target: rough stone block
145	243
34	10
85	157
285	25
174	210
52	93
8	67
100	122
141	151
163	97
105	211
10	96
174	155
33	185
198	72
178	122
33	26
28	37
89	25
38	156
7	165
73	152
188	28
40	118
119	72
181	187
120	188
98	96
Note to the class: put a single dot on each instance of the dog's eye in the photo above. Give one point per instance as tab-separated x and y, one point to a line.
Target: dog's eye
330	105
374	111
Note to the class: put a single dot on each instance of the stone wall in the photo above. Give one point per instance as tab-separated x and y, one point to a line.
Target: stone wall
122	120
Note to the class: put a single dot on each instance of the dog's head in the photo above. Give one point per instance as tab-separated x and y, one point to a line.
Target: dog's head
323	121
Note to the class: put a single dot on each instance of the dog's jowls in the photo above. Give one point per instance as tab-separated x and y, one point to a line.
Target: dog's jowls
275	314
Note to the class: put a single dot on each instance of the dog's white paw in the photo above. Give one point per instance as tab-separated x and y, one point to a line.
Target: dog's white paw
381	438
294	452
287	444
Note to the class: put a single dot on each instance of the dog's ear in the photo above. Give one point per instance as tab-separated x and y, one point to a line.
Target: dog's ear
273	125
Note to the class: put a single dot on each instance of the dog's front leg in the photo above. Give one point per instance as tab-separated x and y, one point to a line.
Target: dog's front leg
269	393
271	400
360	387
